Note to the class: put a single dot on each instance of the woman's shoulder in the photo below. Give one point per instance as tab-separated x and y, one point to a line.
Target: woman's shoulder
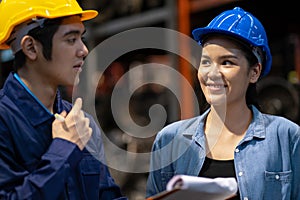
180	127
273	120
282	126
184	123
279	121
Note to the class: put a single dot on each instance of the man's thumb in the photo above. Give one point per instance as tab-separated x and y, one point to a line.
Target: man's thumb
77	105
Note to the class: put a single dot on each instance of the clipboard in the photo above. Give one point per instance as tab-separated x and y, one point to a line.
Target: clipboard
183	187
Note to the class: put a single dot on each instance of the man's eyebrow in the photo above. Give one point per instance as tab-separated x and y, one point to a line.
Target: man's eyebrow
74	32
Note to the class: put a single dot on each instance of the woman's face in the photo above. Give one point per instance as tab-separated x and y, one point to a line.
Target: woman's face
224	72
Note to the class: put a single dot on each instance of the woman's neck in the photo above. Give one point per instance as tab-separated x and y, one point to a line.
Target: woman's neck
224	129
235	118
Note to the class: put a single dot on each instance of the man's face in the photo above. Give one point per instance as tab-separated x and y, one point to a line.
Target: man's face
68	53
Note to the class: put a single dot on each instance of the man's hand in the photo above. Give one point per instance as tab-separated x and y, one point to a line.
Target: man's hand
75	128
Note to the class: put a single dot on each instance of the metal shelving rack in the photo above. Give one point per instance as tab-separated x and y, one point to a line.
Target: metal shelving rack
166	14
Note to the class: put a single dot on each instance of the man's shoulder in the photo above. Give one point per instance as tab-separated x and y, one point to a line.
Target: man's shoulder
5	101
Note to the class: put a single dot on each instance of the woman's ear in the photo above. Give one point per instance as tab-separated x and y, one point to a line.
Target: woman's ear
29	47
255	73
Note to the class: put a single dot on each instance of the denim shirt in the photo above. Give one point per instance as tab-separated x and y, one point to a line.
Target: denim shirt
35	166
267	159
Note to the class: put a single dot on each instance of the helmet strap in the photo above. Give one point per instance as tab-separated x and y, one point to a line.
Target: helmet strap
257	53
21	30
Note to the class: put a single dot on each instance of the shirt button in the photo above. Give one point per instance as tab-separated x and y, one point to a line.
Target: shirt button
245	198
241	173
237	150
277	177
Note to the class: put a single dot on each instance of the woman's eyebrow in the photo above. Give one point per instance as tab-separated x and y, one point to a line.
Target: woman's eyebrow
229	56
205	56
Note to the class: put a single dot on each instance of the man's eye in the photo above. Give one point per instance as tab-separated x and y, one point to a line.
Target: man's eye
71	40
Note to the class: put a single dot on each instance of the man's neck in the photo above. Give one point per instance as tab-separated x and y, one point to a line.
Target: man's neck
44	92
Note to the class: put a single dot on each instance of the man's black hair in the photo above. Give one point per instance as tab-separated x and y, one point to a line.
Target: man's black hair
44	35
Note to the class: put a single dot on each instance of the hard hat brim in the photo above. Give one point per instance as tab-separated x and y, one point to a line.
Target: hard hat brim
85	15
200	33
88	14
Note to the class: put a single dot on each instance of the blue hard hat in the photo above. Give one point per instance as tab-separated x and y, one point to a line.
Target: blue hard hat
242	25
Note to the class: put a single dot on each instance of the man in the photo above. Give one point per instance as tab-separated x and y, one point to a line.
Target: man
42	157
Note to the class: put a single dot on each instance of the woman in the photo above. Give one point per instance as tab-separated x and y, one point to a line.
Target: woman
232	138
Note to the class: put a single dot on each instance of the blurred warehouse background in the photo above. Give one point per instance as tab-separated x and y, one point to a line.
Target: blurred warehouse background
279	92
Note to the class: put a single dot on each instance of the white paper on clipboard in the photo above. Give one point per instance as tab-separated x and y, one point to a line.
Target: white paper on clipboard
184	187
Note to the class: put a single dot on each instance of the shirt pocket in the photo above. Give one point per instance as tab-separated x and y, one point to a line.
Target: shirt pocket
278	185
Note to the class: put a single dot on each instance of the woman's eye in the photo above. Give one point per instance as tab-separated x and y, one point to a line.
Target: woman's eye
205	62
227	63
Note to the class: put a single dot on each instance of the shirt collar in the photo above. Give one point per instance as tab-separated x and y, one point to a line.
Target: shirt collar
27	102
257	126
255	129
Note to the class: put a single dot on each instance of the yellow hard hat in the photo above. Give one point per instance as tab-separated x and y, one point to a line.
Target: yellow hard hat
15	12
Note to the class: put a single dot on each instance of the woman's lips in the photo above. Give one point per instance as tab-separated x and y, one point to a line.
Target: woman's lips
216	87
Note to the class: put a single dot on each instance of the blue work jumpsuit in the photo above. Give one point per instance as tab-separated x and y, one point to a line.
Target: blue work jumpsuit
35	166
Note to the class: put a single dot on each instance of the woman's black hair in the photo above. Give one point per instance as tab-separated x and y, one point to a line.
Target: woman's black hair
251	93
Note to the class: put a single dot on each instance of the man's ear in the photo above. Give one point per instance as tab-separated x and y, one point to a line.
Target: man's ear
255	73
29	47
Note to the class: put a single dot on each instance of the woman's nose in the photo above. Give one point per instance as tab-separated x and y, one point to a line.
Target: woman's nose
214	71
